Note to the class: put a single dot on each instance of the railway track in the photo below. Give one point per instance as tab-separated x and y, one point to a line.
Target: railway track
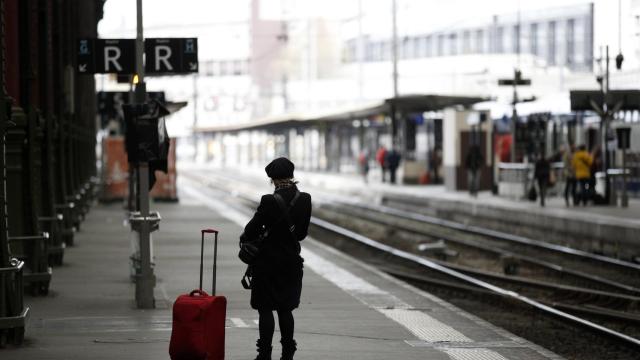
568	300
476	253
569	257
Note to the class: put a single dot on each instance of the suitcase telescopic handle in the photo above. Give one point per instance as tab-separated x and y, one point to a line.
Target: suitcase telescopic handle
215	257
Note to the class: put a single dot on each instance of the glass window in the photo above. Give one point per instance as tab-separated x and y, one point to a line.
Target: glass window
368	51
516	39
499	46
440	51
453	44
215	68
571	44
466	42
224	68
418	47
479	41
237	67
405	47
534	39
207	68
551	43
385	49
428	45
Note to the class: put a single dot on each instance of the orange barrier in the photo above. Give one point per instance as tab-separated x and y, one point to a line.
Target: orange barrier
115	173
115	169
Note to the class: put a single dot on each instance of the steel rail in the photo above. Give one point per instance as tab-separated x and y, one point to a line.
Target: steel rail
590	310
497	234
529	259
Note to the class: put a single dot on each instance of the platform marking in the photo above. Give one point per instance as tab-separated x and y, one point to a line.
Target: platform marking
420	324
424	327
473	354
237	322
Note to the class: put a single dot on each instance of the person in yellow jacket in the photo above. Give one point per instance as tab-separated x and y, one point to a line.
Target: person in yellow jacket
581	162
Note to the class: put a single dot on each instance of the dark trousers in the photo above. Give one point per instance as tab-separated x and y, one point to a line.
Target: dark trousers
473	177
392	175
570	188
592	187
542	187
583	186
267	325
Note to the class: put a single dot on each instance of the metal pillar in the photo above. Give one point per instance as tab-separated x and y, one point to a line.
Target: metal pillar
604	152
13	313
145	281
624	202
514	123
394	46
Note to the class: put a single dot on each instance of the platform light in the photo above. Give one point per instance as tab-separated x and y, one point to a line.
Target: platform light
135	79
356	123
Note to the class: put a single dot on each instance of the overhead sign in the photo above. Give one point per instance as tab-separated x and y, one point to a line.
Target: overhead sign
118	56
582	100
511	82
171	55
105	56
517	80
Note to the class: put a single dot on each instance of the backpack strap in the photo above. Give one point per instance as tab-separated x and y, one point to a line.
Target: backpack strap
286	209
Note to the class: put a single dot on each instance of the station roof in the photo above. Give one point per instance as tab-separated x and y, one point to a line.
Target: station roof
402	104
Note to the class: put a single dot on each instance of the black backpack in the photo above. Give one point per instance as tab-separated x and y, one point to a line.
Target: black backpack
250	248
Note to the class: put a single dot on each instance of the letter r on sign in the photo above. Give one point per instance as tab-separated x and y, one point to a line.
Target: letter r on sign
111	55
163	53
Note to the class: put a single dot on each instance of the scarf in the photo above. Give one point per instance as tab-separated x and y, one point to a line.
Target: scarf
284	184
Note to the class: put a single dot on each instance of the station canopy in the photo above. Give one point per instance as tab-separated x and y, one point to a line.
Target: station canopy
402	104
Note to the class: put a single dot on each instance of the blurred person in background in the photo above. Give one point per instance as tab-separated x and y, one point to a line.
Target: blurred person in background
363	163
392	160
474	164
542	173
381	156
582	162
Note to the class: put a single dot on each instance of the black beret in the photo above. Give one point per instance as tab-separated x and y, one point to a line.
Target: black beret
280	168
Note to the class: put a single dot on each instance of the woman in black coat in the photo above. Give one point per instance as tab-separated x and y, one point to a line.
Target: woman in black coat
277	271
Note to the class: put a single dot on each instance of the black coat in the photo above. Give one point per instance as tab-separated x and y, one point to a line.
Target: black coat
277	271
542	170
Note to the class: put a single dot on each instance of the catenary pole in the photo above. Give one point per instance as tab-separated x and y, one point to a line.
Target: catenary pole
146	281
394	75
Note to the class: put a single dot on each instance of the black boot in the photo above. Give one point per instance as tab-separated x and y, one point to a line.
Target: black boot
264	350
289	348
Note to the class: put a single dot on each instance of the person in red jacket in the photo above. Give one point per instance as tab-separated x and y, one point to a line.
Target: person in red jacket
381	156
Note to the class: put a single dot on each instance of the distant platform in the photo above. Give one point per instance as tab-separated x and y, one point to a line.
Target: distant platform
602	229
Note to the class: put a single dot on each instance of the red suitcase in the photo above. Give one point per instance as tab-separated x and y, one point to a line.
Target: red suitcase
198	319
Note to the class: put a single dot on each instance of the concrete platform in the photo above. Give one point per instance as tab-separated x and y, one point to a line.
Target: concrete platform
608	230
348	310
